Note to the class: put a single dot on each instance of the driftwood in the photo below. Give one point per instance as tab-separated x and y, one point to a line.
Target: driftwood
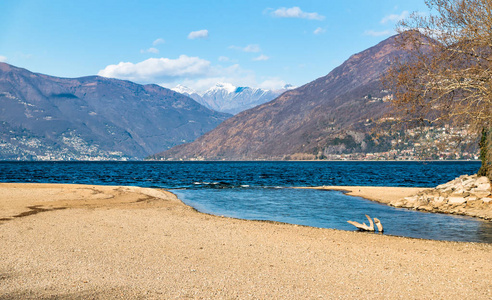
379	225
363	226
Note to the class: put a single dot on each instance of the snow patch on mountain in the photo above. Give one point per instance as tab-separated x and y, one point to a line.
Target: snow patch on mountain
183	89
225	97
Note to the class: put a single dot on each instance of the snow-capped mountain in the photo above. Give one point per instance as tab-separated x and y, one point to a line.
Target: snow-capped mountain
186	91
225	97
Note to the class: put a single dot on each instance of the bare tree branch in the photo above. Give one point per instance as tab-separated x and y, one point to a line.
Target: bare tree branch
448	77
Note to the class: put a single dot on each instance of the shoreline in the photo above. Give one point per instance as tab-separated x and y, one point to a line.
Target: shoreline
380	194
393	196
131	242
279	160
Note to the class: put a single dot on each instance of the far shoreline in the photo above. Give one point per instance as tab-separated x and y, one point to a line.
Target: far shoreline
258	160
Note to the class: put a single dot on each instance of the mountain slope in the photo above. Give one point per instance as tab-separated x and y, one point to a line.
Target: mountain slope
225	97
93	117
318	118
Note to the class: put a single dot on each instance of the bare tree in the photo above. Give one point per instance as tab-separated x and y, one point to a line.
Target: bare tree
447	78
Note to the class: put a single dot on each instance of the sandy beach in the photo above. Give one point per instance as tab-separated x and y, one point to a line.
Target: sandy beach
100	242
375	193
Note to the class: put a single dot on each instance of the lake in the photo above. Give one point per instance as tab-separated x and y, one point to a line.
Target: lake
263	190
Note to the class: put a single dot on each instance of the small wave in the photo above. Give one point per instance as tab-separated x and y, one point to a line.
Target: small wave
213	185
272	187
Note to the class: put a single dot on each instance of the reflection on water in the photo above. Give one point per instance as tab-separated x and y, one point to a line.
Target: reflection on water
332	209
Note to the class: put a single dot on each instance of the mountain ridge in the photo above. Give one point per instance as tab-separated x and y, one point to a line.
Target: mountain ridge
106	115
311	119
225	97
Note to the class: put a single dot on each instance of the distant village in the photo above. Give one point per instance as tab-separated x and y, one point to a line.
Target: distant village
426	143
72	148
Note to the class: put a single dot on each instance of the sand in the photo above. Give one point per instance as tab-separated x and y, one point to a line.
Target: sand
375	193
92	242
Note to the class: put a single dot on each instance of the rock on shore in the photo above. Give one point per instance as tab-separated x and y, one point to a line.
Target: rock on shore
465	195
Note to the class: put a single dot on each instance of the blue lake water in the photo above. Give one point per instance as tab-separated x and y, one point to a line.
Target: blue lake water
262	190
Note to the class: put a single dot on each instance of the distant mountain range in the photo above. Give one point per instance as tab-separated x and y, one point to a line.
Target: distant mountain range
95	118
225	97
332	115
46	117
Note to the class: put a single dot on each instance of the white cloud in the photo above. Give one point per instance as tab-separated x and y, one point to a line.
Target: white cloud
194	72
158	41
200	34
233	74
203	84
262	57
252	48
319	30
249	48
272	84
378	33
150	50
296	12
3	58
158	69
224	58
393	18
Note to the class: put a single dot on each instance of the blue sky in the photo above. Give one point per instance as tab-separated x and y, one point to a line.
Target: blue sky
195	43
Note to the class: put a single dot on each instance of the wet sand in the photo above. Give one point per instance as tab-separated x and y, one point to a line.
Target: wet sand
79	242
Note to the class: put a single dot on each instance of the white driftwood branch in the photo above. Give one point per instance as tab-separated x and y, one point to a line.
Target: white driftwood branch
379	225
363	226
